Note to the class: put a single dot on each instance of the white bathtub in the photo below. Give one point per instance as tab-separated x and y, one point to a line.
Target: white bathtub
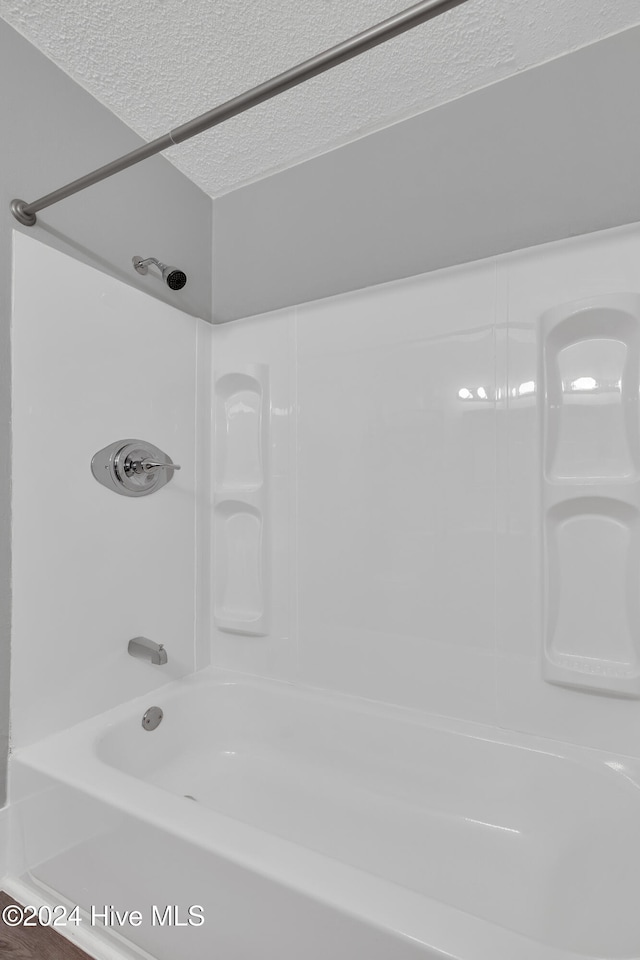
327	827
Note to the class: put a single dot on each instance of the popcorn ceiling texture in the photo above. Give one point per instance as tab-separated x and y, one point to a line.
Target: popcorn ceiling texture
158	63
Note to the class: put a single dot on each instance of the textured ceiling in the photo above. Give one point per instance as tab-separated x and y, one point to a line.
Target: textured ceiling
158	63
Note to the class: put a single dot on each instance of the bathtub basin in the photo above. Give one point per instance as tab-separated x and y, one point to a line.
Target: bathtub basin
316	825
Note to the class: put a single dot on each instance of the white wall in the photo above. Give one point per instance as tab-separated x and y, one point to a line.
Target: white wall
396	481
414	526
58	132
95	361
398	555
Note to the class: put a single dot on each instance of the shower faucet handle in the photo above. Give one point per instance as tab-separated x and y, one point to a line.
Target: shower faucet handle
139	465
156	465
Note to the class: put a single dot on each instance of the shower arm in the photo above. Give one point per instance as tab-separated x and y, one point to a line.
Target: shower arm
373	37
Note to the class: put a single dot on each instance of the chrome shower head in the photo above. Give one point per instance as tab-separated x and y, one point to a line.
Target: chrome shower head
172	276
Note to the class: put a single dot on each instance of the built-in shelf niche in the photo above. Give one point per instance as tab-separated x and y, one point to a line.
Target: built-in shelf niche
238	551
239	425
590	376
240	528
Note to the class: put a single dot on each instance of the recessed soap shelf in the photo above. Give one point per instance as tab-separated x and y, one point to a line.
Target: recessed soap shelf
590	377
241	591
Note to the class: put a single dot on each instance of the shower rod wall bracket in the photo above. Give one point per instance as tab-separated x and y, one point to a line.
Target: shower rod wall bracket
17	209
385	30
132	468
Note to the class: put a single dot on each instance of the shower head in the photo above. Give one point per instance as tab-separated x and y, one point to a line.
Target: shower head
172	276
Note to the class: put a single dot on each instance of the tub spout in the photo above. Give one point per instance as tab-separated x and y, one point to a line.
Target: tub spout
147	650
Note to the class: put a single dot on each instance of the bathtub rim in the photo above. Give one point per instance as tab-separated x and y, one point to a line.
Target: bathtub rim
69	758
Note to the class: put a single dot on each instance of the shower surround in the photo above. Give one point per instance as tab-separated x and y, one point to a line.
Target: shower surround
392	707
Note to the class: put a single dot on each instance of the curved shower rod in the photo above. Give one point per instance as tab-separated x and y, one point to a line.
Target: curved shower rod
381	32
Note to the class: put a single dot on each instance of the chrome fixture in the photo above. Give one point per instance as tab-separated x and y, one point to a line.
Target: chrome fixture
147	650
172	276
133	468
347	50
152	718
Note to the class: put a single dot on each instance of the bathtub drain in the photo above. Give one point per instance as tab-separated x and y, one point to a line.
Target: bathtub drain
152	718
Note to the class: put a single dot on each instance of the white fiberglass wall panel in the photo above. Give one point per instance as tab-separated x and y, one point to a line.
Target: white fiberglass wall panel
414	547
568	533
396	492
95	361
253	483
589	393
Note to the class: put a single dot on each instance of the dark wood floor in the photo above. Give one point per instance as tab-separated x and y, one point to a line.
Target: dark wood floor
34	943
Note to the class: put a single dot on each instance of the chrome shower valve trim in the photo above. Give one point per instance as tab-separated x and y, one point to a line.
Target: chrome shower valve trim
133	468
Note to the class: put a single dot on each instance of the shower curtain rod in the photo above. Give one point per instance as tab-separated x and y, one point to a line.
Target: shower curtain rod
380	33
